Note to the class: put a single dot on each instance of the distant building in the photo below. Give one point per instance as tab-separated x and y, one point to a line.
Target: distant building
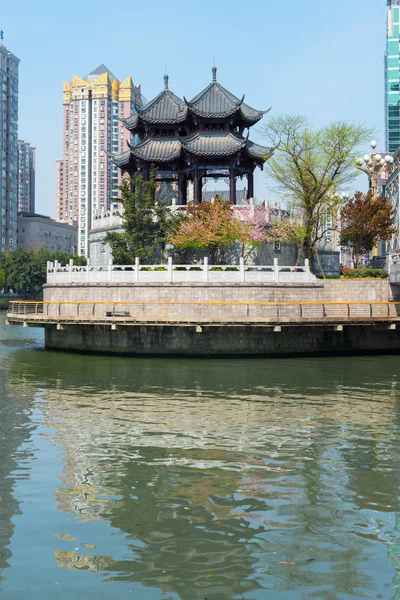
93	132
100	253
9	149
26	176
37	231
392	185
392	77
60	192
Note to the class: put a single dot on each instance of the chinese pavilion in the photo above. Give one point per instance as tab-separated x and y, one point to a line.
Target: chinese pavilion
189	141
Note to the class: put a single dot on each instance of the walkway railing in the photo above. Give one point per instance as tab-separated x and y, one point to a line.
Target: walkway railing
203	312
171	273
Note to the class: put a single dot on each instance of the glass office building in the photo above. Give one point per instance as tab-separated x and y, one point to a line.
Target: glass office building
9	149
392	76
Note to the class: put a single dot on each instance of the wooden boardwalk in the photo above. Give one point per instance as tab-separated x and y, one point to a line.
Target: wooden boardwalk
39	314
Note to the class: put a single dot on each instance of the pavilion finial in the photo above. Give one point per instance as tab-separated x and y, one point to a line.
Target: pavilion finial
166	82
214	74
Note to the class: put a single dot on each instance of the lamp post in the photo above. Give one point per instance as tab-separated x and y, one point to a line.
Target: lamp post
372	165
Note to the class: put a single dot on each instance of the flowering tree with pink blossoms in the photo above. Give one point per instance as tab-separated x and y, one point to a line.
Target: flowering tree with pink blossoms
214	226
285	231
206	226
250	222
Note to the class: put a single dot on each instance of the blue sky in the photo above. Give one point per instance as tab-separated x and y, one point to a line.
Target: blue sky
320	58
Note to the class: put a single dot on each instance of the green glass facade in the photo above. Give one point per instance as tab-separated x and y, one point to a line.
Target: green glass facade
392	76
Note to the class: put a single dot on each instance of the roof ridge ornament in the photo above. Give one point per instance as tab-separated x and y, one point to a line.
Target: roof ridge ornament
240	101
166	78
214	74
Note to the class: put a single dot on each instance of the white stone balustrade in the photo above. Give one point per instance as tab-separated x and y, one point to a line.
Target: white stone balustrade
171	273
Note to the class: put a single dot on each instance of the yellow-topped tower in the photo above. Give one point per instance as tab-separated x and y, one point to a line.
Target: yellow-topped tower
93	132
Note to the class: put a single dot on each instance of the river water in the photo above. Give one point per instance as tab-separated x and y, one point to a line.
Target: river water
165	479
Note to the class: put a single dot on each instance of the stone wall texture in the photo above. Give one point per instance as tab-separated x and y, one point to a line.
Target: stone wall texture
356	290
183	293
209	341
376	290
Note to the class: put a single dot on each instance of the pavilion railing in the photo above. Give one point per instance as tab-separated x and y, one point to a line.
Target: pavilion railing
173	273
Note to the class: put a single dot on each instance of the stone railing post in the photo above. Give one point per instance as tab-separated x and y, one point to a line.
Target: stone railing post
88	270
242	273
307	273
70	267
206	270
389	263
137	269
276	271
48	271
54	272
110	270
170	272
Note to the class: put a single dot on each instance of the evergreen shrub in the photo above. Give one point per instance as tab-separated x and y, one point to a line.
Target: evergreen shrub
365	273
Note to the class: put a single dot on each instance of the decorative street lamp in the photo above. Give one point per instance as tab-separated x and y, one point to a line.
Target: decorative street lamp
372	165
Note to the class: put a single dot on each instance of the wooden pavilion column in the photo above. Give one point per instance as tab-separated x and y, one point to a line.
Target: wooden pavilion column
196	184
131	174
250	185
181	188
232	185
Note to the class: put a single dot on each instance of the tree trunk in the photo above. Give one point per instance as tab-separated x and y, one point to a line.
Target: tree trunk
308	251
213	254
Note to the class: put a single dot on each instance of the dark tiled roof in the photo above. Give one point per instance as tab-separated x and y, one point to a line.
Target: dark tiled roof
214	101
122	160
217	102
251	115
158	149
131	122
100	70
257	151
166	108
204	143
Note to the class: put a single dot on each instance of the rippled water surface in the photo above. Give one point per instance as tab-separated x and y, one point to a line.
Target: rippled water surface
193	479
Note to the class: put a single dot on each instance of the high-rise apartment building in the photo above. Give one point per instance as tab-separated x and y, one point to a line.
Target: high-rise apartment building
9	149
93	132
392	76
60	195
26	176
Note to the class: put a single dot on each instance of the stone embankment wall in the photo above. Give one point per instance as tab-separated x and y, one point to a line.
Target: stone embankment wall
376	290
212	338
238	340
356	290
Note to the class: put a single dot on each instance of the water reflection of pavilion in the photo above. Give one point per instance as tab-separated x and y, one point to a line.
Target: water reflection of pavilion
262	466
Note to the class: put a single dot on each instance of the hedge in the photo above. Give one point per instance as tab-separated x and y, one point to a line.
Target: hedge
365	273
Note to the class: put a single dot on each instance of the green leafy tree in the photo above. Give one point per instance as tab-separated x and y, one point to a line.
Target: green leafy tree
310	165
2	278
147	223
365	222
25	270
